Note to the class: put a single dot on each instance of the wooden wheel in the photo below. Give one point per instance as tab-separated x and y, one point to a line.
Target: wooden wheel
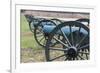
39	35
72	45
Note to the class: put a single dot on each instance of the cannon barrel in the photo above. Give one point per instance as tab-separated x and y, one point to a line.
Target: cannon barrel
48	28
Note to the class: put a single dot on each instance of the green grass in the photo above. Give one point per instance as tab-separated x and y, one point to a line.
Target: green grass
24	24
27	38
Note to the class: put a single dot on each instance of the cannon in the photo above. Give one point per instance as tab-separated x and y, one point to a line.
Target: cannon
36	26
42	30
69	37
73	41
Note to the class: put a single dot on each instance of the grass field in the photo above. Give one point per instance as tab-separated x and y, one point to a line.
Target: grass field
27	38
30	50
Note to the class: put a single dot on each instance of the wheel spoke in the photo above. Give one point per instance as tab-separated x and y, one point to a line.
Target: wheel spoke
58	57
39	35
65	37
71	35
81	40
84	53
79	30
66	58
84	46
80	57
77	35
58	49
60	42
41	39
44	42
39	31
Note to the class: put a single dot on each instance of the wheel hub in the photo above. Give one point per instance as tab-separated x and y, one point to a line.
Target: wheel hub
72	52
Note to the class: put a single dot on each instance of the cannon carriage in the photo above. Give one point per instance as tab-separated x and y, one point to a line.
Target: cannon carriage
70	37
